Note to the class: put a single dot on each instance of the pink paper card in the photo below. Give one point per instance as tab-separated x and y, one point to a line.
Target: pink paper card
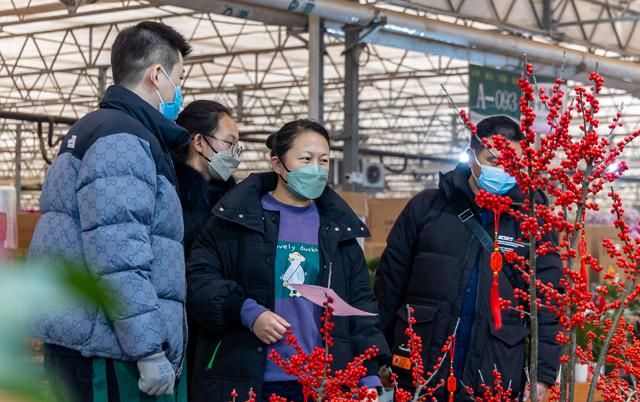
318	295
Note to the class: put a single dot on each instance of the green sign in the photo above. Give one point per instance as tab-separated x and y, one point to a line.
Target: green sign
493	92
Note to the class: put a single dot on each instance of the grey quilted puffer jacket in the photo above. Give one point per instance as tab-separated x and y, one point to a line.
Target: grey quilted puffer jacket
109	204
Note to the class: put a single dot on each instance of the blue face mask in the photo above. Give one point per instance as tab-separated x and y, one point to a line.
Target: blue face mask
170	110
493	179
307	182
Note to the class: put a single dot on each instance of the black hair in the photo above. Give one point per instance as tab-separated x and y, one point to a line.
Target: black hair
281	142
199	117
144	44
202	116
499	124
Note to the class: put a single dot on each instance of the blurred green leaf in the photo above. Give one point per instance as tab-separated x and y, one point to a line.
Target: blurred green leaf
25	291
85	285
372	264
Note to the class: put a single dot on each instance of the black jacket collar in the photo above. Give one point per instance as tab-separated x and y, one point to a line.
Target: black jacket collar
195	192
243	205
169	134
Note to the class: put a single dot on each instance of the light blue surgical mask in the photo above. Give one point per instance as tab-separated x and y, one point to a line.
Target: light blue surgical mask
307	182
493	179
170	110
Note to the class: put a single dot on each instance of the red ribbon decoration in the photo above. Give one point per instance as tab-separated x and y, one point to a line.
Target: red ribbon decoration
496	266
582	248
452	382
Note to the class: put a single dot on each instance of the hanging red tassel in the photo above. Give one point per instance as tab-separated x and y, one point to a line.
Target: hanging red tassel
582	249
495	303
452	382
494	297
495	262
582	246
583	270
452	385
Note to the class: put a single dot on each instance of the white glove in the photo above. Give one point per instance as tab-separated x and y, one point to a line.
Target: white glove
157	376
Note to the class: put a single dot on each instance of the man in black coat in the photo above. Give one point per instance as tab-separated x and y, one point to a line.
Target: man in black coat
435	262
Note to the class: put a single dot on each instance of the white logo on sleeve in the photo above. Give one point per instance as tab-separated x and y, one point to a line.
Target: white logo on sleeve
72	142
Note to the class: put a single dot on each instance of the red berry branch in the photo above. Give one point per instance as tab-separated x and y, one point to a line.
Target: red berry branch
421	380
627	261
561	175
252	396
495	393
314	370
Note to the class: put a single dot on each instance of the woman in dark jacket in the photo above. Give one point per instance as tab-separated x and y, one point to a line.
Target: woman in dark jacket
271	231
204	169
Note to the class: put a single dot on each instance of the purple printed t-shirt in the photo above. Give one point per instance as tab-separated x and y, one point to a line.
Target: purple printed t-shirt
297	261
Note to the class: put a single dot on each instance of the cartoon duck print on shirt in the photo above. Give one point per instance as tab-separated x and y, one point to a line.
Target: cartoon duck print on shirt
294	275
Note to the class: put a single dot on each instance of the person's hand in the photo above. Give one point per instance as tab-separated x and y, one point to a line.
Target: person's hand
157	376
385	377
269	327
540	387
36	345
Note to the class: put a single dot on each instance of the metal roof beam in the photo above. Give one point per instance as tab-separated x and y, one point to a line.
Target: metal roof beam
344	12
240	10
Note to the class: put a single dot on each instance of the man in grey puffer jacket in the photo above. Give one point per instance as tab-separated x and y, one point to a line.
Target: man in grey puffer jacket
109	205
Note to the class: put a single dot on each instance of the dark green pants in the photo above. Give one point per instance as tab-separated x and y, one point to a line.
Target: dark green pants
75	378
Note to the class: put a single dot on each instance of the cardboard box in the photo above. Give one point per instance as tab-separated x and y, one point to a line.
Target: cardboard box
27	222
357	201
581	392
373	249
594	234
383	213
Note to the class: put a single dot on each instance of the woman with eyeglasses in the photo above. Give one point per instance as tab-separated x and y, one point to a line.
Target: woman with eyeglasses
273	231
204	169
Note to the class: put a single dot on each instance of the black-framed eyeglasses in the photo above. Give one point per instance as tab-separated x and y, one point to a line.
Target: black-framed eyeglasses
235	147
229	143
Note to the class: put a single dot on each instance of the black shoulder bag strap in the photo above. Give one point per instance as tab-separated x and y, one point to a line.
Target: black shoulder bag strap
485	240
466	216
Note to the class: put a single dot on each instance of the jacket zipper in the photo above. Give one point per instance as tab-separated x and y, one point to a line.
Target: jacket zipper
213	356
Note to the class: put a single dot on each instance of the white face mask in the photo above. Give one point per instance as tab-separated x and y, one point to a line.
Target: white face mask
223	163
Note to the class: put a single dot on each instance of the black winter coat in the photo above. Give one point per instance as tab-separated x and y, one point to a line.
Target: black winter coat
197	197
232	260
429	256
